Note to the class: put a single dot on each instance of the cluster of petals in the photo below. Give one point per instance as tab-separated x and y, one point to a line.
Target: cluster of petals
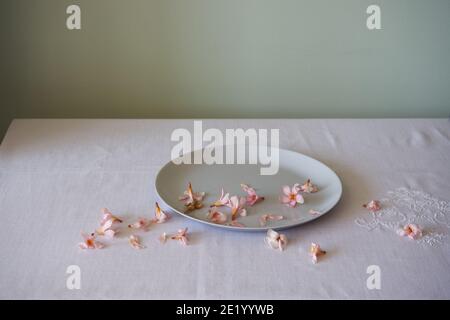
276	240
411	231
181	236
315	251
108	224
135	242
308	187
192	200
292	196
90	242
252	197
373	205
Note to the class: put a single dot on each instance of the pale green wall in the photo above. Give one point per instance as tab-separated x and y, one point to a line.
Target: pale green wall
7	75
229	58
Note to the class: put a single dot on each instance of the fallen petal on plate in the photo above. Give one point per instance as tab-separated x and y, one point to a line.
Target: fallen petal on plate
223	200
90	242
308	187
315	251
252	197
411	231
276	240
291	196
269	217
135	242
237	207
160	215
373	205
314	212
216	216
192	200
234	223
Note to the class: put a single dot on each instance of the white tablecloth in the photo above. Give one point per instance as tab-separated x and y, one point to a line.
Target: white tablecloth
56	175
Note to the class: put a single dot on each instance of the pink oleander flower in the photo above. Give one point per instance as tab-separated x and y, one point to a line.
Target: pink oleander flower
90	242
269	217
373	205
411	231
308	187
192	200
236	224
142	224
135	242
107	229
252	197
314	212
107	215
223	200
237	207
108	224
160	215
276	240
181	236
216	216
292	196
315	251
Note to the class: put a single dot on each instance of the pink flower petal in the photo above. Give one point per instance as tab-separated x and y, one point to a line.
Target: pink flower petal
160	215
373	205
276	240
234	223
181	236
135	242
192	200
108	224
293	197
142	224
107	215
269	217
299	199
237	207
412	231
216	216
110	233
252	197
287	190
308	187
315	251
223	200
90	242
314	212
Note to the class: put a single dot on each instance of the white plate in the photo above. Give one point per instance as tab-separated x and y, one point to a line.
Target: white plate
173	179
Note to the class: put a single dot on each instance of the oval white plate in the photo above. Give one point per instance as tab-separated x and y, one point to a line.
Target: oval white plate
173	179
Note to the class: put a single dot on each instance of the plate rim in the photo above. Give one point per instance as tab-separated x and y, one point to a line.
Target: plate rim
249	229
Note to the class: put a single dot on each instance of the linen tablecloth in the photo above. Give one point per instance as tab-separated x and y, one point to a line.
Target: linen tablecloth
56	175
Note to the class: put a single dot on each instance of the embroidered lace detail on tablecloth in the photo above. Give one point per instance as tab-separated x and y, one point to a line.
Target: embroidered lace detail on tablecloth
403	206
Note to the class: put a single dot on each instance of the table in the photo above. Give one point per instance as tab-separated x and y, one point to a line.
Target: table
56	175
